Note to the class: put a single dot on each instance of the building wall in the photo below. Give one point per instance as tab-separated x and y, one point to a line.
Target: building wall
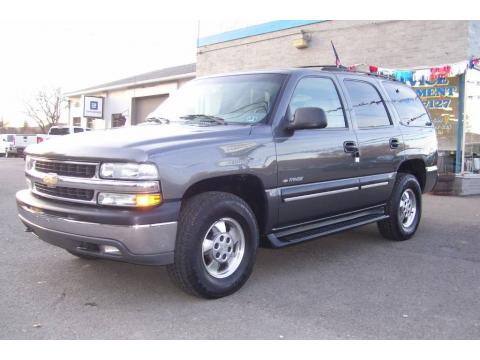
121	101
395	44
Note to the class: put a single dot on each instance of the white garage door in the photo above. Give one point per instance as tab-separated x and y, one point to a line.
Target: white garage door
143	106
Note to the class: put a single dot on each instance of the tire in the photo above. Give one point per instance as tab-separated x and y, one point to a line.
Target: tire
200	232
399	227
82	256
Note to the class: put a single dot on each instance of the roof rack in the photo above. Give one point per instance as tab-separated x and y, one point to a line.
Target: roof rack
346	69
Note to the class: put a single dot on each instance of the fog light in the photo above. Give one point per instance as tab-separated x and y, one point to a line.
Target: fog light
132	200
111	250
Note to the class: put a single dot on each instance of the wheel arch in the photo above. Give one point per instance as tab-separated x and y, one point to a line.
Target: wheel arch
415	167
246	186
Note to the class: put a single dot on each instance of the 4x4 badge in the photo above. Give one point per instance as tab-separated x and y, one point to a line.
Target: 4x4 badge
51	180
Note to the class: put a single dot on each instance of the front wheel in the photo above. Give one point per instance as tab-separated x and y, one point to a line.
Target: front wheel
216	245
404	209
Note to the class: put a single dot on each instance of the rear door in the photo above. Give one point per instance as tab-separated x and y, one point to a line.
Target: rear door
379	138
316	175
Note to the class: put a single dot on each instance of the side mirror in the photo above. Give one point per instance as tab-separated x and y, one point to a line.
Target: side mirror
308	118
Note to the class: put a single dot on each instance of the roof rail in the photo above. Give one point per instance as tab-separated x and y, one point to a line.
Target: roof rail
346	69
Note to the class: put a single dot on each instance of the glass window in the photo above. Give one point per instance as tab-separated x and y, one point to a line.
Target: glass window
407	104
237	99
368	107
59	131
320	93
77	130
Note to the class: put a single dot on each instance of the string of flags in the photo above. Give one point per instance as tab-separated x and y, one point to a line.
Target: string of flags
423	74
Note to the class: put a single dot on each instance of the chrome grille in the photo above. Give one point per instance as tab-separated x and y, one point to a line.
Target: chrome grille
65	192
66	168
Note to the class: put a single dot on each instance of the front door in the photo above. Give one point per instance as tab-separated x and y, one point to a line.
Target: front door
316	175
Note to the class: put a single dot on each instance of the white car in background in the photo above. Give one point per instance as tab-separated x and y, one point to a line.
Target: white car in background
22	141
65	130
7	144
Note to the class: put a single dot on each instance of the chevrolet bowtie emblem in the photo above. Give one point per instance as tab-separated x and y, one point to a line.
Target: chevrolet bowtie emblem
50	180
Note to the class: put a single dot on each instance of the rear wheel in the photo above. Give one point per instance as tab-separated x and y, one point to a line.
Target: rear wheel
404	209
216	245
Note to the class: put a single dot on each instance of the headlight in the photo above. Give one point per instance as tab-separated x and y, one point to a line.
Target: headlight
128	171
135	200
29	163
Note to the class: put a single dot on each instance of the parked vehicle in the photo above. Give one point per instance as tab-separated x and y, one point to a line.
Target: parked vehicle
271	158
22	141
65	130
7	144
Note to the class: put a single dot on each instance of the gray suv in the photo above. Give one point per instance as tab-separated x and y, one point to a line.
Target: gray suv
233	162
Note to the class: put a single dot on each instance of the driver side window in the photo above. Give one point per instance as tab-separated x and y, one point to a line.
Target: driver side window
320	93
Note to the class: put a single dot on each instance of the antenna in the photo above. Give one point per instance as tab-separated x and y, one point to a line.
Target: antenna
338	63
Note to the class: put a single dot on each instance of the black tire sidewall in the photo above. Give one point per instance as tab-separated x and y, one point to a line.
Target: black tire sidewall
227	206
407	182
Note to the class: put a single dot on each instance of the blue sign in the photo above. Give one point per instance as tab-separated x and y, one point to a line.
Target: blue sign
93	105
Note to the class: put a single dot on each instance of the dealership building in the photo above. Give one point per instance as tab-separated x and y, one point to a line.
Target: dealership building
127	101
407	47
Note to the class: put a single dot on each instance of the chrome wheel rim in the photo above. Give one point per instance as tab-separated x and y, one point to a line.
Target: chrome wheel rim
407	208
223	247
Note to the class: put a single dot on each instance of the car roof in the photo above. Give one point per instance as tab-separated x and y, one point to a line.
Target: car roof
330	69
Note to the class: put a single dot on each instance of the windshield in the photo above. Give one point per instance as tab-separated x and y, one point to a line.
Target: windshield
236	99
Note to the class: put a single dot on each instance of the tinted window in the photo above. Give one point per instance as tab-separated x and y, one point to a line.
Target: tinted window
407	104
77	130
368	107
59	131
320	93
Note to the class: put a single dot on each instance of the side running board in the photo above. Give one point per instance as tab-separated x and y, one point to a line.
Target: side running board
294	235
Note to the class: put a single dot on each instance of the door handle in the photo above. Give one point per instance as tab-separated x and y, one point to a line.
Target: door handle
394	143
350	147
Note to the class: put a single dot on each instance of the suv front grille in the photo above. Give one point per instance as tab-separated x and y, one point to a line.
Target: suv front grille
66	169
65	192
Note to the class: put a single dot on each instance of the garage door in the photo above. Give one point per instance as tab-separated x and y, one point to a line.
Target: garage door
143	106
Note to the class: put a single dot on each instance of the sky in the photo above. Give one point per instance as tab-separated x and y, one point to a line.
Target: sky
74	54
74	44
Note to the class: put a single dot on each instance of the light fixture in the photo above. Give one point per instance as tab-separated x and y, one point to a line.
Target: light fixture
303	41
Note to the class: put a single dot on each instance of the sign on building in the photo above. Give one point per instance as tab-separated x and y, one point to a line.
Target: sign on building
93	107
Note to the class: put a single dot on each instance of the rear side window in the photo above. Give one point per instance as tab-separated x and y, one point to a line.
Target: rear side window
407	104
320	93
368	106
59	131
77	130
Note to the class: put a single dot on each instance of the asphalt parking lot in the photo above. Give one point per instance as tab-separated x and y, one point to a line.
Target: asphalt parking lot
354	285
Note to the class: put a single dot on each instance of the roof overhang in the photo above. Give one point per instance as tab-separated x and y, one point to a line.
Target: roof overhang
131	84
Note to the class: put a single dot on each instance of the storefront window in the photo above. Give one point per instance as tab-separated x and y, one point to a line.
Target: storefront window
441	98
471	124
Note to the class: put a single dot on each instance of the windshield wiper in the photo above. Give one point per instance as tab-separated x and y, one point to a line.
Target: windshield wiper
157	120
204	118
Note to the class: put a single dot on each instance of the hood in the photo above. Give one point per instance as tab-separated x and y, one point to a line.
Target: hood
135	143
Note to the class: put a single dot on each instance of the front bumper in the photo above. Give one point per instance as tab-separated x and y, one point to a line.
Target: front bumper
139	243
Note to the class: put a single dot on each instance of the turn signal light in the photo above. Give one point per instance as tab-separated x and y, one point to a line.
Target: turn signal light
130	200
143	200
